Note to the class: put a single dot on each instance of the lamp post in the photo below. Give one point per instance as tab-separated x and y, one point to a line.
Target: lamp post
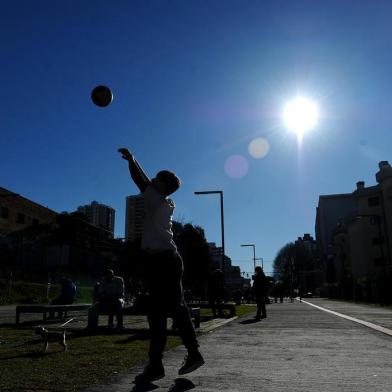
220	193
254	253
262	262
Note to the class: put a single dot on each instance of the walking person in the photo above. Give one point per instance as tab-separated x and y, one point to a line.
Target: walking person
165	269
260	290
215	291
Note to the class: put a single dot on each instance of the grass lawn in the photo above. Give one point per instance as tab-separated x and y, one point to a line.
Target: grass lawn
241	310
28	292
89	360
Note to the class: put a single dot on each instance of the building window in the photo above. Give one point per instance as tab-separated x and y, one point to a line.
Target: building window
378	240
373	201
35	222
4	212
379	261
20	218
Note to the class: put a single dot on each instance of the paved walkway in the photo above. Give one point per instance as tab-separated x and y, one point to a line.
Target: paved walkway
298	348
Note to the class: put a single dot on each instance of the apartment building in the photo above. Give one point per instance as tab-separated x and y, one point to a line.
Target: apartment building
134	216
354	238
99	215
18	212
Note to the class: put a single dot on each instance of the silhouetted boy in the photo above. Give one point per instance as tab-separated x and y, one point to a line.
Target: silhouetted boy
165	269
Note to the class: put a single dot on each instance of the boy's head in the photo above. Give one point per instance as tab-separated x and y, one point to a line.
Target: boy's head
166	182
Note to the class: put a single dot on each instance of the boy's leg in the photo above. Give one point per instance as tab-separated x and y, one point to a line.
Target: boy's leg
157	305
157	323
156	316
180	312
154	369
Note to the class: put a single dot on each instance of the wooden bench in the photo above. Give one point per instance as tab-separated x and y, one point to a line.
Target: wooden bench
127	310
223	306
194	311
137	311
44	309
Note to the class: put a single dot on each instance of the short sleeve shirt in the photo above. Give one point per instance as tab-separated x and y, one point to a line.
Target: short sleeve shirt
157	230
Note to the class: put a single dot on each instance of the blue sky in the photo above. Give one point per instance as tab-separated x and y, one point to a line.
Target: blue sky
194	82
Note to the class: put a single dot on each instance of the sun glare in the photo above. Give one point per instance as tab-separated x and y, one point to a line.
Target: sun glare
300	115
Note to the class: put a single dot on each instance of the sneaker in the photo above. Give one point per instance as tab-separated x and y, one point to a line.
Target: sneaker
151	373
191	363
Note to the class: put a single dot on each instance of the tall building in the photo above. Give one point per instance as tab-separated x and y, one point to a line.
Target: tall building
309	274
134	217
355	239
99	215
17	212
216	255
331	210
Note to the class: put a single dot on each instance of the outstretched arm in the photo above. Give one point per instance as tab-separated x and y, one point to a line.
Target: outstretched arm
137	173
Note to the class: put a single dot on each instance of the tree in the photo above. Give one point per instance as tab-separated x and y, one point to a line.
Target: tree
193	247
291	264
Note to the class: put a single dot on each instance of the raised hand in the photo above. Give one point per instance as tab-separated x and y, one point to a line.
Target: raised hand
125	153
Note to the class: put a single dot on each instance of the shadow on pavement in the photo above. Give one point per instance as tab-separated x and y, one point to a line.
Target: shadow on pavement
34	355
181	385
249	321
144	387
144	335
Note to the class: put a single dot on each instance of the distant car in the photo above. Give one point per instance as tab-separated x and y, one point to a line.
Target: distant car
309	294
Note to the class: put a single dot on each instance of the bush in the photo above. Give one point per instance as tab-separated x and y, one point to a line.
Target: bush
34	293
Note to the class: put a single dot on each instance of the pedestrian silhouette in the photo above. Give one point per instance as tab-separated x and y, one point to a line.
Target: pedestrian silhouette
260	290
215	290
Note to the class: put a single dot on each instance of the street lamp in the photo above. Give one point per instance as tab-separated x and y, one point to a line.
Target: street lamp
254	253
220	193
262	262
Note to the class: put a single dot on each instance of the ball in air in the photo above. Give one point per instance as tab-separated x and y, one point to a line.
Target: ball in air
102	96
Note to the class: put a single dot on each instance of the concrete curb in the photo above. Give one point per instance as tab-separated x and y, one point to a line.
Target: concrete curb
376	327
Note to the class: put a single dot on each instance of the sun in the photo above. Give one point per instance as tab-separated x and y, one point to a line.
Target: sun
300	115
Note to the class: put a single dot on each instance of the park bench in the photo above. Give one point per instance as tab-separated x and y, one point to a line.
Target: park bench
127	310
135	311
45	309
206	305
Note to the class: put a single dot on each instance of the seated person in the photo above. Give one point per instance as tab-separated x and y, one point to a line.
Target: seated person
108	298
67	295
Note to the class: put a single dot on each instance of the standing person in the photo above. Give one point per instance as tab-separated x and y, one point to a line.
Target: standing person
215	290
260	289
165	268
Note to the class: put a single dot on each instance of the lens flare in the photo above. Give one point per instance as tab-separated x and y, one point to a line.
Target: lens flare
236	166
258	148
